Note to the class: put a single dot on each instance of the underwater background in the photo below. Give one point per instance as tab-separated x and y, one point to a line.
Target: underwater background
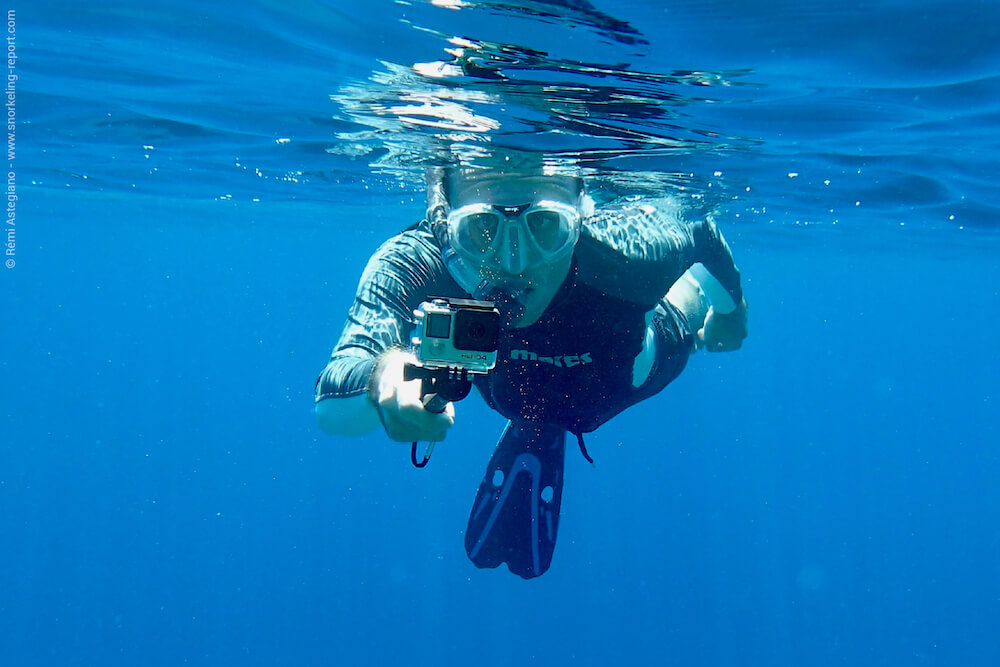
195	188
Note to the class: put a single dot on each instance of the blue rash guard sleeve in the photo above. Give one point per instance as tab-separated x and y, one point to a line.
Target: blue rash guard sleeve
637	250
401	274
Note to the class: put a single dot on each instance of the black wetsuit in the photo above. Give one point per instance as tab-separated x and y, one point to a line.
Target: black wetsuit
572	368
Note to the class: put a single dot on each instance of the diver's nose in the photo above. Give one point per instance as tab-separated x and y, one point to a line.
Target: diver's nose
509	253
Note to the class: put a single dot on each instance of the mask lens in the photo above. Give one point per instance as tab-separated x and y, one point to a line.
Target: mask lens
546	228
477	231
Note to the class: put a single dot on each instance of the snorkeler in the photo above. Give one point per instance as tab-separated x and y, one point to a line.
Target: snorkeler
598	310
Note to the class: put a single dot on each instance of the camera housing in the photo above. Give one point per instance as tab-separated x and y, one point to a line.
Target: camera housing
457	333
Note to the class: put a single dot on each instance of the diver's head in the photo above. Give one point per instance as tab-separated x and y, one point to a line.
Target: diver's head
508	235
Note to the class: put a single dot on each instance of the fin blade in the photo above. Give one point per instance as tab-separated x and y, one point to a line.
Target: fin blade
515	517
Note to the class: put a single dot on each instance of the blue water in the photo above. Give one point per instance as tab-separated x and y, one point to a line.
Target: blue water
197	197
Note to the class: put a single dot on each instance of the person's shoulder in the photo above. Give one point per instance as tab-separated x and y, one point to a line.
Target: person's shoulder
413	257
416	241
630	225
628	248
630	215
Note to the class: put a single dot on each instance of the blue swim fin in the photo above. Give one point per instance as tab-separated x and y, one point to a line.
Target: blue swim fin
516	514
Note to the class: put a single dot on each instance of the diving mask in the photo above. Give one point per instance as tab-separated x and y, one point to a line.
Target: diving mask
513	239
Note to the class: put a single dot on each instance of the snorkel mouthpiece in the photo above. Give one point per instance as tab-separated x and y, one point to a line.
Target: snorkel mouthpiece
509	301
506	301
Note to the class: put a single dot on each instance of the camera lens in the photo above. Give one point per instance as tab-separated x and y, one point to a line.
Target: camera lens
476	330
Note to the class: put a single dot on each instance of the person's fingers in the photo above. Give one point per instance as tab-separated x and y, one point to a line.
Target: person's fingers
408	394
437	430
427	426
720	344
406	419
417	424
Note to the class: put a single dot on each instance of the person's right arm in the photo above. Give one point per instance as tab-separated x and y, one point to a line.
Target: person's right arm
362	385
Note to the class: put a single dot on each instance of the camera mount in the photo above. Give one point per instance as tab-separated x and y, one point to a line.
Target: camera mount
439	386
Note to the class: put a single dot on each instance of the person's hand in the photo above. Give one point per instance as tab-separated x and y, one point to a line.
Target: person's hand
403	414
724	333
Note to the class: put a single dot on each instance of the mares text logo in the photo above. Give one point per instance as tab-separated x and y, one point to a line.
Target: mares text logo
562	361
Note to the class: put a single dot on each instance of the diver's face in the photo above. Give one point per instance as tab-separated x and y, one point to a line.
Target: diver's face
519	232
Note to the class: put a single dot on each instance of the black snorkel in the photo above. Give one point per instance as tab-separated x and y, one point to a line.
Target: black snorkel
510	307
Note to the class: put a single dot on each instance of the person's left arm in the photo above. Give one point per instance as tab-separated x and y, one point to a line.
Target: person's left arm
639	250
